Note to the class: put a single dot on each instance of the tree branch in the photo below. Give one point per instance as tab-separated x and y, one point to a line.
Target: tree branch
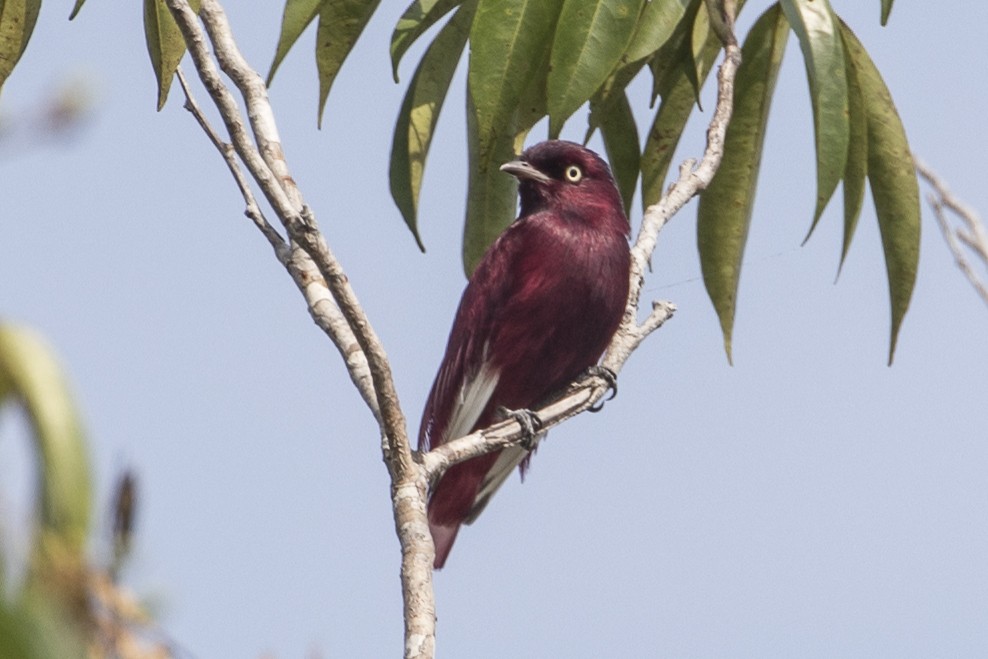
973	234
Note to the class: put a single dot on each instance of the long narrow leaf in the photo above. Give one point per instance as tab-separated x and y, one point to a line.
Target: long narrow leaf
658	21
623	151
814	23
857	157
420	112
724	213
418	17
341	23
17	19
165	44
894	187
886	10
297	16
595	37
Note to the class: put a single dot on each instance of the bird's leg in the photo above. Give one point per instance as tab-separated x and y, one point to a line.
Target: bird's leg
530	424
609	376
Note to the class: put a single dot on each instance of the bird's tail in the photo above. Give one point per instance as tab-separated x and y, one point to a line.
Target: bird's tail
443	536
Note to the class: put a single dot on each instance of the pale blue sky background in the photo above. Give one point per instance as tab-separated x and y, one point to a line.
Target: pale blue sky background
807	502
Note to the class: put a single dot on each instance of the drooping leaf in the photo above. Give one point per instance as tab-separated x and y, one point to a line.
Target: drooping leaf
297	16
76	8
341	23
699	38
886	10
724	212
894	187
857	157
815	25
595	37
509	51
17	19
31	377
659	19
420	112
623	151
418	17
165	44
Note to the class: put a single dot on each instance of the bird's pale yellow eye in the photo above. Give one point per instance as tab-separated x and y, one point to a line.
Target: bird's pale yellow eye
574	174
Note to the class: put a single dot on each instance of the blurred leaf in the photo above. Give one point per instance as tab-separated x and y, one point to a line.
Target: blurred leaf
166	47
296	17
420	112
418	17
30	376
586	52
659	19
76	8
32	628
894	187
857	157
341	23
17	19
621	142
509	49
814	23
701	36
724	213
886	10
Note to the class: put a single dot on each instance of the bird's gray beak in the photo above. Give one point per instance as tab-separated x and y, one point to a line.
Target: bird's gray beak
522	170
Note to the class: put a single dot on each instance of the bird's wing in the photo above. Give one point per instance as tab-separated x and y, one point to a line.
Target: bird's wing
509	458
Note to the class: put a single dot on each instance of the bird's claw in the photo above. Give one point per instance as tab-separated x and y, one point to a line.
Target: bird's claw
530	424
607	375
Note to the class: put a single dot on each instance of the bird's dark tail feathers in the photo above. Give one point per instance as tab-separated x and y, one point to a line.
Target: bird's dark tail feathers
443	535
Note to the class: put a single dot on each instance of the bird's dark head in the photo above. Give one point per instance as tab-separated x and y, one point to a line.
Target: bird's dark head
565	175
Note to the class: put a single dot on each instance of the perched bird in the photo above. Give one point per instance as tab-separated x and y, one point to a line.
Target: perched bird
539	310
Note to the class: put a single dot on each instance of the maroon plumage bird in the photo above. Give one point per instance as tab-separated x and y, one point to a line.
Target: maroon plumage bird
539	311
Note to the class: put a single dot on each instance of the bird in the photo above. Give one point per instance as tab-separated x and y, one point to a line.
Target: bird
538	311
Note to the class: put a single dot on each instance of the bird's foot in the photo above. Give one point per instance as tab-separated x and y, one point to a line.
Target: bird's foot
609	376
531	425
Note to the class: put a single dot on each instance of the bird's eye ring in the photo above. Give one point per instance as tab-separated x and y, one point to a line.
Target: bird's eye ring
573	174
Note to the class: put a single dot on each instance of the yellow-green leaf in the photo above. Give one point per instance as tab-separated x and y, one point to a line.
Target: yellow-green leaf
341	23
894	187
815	25
296	17
620	134
17	19
857	157
31	377
886	10
724	212
420	112
418	17
595	37
165	44
659	19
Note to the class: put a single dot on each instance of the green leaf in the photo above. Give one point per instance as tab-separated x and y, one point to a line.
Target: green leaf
31	377
166	47
814	23
17	19
886	10
857	157
509	55
296	17
418	17
724	212
508	39
894	187
658	21
595	37
420	112
620	135
341	23
76	8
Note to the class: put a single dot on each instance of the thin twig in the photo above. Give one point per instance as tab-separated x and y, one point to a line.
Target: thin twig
973	234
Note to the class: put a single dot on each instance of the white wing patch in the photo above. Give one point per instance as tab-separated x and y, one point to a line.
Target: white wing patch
471	401
510	458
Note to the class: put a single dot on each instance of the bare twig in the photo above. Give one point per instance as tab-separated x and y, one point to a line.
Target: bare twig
972	234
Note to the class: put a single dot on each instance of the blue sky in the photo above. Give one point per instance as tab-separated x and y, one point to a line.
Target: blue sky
808	501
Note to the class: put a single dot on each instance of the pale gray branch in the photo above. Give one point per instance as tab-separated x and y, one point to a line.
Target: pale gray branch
972	234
